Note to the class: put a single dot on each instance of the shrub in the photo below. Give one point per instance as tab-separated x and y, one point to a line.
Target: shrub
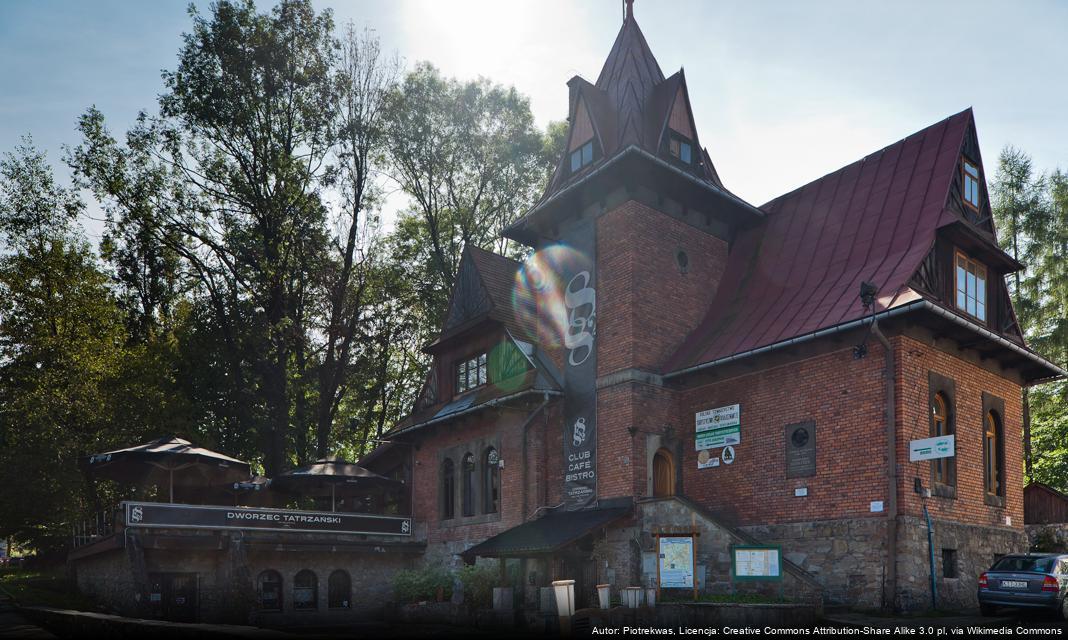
478	581
422	584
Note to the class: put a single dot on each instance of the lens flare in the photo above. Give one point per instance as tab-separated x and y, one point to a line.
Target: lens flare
538	296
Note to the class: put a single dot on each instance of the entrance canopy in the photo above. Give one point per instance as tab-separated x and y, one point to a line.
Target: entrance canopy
546	535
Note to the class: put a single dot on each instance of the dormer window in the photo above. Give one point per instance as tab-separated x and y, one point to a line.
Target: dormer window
970	184
581	157
680	149
471	373
971	286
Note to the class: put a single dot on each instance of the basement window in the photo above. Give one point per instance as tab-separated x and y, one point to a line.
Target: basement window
581	157
970	184
949	564
971	286
471	373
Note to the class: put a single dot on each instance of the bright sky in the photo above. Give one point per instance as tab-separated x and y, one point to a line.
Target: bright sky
783	92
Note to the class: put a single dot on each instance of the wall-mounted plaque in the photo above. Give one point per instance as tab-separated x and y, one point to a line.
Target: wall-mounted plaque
801	449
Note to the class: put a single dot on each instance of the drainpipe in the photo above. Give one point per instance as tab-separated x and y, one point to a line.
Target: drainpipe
890	374
526	462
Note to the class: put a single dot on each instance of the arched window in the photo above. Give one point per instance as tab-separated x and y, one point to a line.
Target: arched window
448	490
270	588
305	591
491	481
468	471
943	470
663	474
339	590
993	460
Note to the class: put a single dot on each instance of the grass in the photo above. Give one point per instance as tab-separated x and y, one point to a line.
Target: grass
725	598
43	589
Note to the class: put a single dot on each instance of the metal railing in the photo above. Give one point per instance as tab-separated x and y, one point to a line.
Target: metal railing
92	529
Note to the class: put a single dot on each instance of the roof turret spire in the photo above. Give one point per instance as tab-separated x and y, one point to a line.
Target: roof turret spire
630	9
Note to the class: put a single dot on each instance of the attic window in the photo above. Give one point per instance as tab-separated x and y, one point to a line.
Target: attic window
971	184
680	148
471	373
971	286
582	156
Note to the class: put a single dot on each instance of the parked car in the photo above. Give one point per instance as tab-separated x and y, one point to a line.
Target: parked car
1036	580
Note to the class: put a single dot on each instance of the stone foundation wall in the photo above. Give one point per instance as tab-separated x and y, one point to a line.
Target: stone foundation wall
228	576
845	556
108	579
626	556
1048	537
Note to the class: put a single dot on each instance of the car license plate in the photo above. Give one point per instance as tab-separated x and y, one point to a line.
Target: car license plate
1013	584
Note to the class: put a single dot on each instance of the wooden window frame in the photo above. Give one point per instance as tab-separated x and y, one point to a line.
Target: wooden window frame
448	489
481	362
679	140
467	484
969	262
964	176
491	481
993	455
586	154
941	469
314	606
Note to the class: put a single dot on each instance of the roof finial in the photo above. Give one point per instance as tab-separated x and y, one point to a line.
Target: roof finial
630	9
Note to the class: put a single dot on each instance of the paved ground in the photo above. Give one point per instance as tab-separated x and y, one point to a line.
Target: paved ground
13	625
1007	618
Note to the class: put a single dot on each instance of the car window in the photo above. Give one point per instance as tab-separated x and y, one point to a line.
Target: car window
1024	563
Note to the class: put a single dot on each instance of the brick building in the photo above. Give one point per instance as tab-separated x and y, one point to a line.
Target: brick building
841	321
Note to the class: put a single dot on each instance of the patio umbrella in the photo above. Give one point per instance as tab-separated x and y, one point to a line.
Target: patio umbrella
172	456
327	475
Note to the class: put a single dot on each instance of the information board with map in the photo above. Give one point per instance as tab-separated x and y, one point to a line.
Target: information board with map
756	563
675	566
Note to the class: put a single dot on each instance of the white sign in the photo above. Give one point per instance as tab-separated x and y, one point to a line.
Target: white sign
705	459
676	562
932	448
718	427
757	563
876	506
727	455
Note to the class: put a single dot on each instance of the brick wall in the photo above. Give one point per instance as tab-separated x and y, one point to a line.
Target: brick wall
646	304
504	430
845	398
915	359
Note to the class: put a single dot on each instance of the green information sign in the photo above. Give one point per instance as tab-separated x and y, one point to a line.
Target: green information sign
756	562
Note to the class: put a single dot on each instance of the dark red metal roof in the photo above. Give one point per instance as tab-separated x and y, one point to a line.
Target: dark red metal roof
800	270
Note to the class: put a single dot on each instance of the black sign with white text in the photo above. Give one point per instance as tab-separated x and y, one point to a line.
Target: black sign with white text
580	370
187	516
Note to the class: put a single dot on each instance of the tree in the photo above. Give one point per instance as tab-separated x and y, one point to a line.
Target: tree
1032	212
1020	214
365	79
471	159
61	343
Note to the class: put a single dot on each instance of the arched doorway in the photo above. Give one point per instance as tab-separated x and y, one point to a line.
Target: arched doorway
663	474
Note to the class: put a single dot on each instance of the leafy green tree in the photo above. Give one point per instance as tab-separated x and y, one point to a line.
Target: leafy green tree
1032	213
62	341
471	160
1018	199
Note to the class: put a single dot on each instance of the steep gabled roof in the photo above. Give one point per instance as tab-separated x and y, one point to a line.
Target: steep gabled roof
628	77
800	270
630	107
485	288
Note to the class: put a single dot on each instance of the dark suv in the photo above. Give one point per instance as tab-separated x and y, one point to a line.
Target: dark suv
1036	580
